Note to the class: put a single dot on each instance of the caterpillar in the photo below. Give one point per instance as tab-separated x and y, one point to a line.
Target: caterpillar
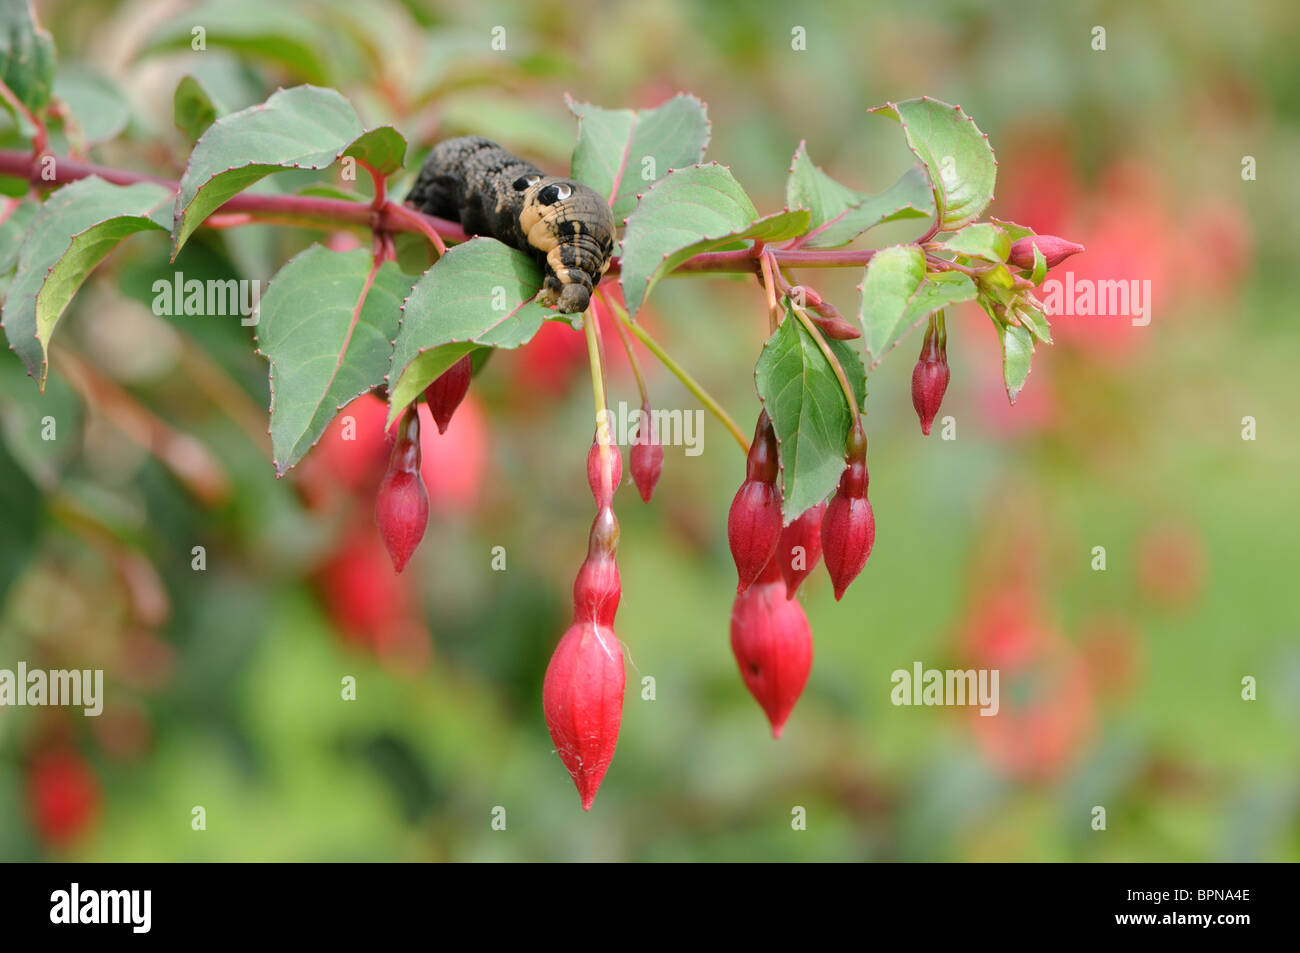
567	226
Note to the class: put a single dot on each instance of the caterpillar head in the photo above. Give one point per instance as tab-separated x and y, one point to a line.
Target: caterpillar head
573	227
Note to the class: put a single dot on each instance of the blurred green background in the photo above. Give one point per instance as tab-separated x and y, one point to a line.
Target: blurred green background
1120	688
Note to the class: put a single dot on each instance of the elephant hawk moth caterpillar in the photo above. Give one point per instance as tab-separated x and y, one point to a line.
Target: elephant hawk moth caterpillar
567	226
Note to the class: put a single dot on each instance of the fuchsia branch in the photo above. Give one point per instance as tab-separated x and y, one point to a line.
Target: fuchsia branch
288	209
392	217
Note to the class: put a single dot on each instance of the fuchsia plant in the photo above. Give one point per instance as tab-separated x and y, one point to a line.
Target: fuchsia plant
413	335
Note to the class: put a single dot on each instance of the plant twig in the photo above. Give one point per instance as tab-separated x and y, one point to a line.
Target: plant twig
333	213
597	361
631	357
811	327
653	346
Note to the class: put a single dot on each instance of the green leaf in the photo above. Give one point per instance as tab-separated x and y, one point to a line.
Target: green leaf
620	152
326	328
687	212
26	60
479	293
981	240
1032	315
194	108
1014	232
939	290
1017	351
839	214
807	186
383	148
301	128
897	295
73	231
1039	271
955	154
893	275
21	503
44	461
15	217
98	105
254	28
811	418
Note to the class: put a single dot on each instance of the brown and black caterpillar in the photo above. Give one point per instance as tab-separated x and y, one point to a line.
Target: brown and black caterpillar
565	224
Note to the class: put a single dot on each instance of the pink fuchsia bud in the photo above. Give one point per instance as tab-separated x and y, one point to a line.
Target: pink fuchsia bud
1054	249
800	548
849	526
848	533
754	521
402	504
931	373
595	478
824	314
582	696
597	589
445	394
647	455
772	642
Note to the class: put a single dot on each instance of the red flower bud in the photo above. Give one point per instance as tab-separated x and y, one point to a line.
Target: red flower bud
753	529
930	376
1054	249
825	315
647	455
594	474
800	548
597	589
772	643
445	394
848	530
402	506
583	699
754	521
63	796
849	526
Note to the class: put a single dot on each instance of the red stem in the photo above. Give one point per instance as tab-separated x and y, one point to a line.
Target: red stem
399	218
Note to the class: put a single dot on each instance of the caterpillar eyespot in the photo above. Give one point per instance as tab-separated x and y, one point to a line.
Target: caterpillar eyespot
567	226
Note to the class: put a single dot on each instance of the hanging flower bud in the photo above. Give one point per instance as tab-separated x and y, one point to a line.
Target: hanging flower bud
594	479
64	796
800	548
1054	249
445	394
772	642
824	314
597	589
930	376
647	455
754	521
402	506
849	526
583	700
